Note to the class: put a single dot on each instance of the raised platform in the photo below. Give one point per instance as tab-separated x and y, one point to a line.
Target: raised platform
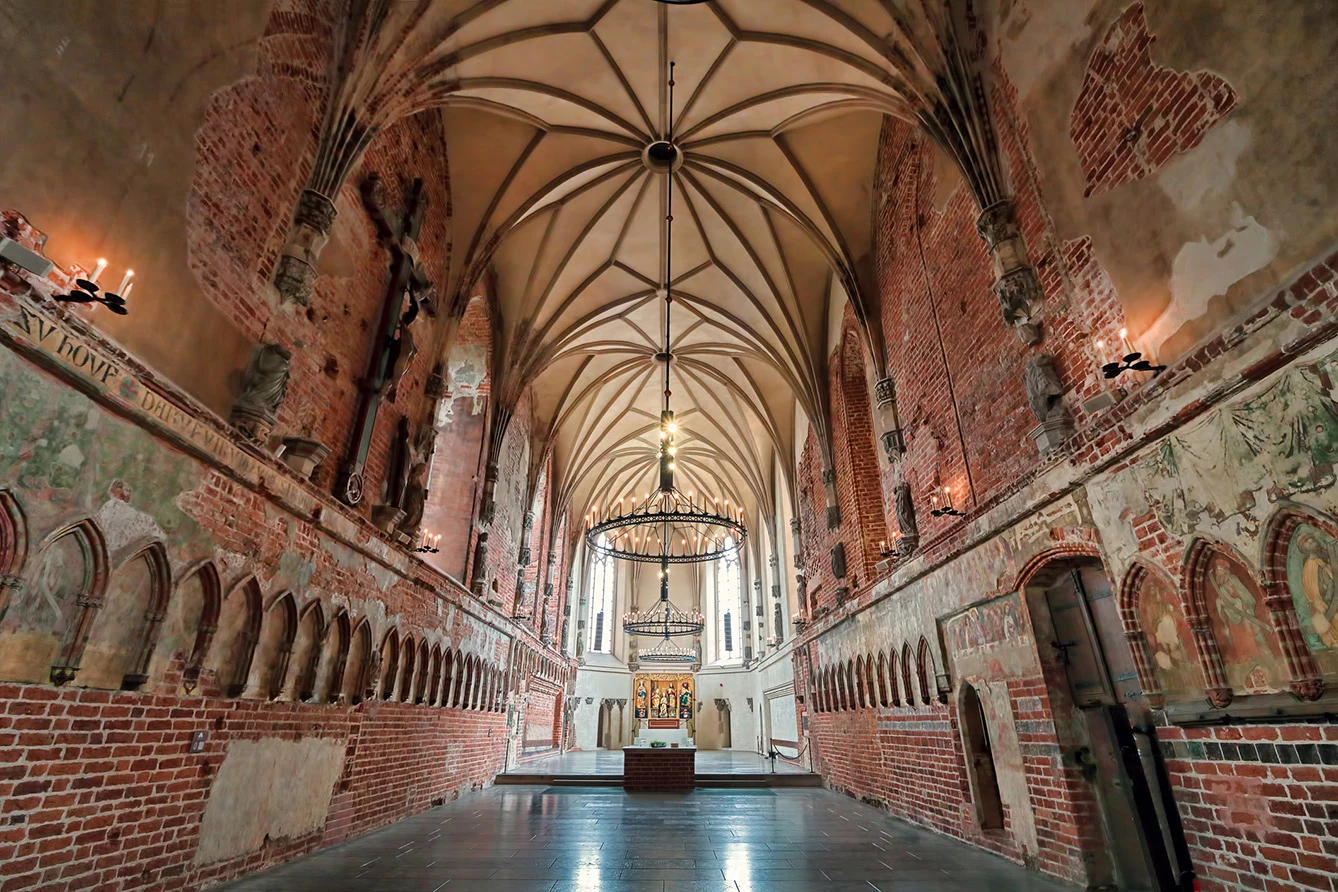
714	769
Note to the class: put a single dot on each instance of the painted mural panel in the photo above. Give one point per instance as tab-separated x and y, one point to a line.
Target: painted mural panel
1251	654
1170	641
1312	557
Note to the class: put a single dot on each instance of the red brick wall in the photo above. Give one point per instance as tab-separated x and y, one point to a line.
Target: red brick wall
97	789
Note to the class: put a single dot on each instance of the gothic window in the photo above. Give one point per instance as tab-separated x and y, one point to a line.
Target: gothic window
603	577
728	593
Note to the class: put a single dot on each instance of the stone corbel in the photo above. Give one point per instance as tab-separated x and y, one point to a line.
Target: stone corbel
1015	282
295	275
885	407
487	504
829	491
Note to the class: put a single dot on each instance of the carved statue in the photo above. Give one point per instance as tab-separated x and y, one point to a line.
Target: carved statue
910	530
415	497
1043	387
402	349
264	386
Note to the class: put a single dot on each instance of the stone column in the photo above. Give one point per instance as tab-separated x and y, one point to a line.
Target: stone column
1015	282
295	275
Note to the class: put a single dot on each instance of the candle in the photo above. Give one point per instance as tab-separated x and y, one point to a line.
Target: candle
97	270
125	282
126	293
1124	339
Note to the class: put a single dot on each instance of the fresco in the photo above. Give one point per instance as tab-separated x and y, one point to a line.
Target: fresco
1312	557
1251	656
1169	640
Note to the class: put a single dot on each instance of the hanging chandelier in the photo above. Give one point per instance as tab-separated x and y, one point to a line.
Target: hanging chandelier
667	653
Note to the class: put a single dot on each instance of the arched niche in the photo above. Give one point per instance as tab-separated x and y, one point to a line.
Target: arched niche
450	666
907	661
409	664
893	684
358	671
390	664
274	651
981	769
1224	592
49	615
126	627
924	672
423	670
860	696
192	624
334	660
228	662
300	682
433	690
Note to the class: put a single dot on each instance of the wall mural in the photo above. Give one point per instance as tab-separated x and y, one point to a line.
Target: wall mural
1170	641
1251	654
1311	558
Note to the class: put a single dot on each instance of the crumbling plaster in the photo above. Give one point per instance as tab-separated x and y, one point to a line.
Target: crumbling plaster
1221	223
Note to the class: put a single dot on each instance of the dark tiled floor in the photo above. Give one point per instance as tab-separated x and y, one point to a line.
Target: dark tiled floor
537	839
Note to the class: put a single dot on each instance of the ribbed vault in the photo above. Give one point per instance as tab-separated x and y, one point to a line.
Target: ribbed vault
549	105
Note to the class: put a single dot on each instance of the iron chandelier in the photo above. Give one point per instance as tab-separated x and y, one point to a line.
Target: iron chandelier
667	653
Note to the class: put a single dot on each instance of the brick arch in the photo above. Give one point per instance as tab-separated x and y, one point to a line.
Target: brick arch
1193	576
433	693
861	689
1307	681
206	573
421	670
154	555
883	695
1034	568
1128	598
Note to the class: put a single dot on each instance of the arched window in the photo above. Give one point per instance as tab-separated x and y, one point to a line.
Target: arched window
603	576
729	615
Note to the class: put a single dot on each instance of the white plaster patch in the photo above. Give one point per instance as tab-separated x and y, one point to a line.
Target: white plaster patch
71	456
1032	41
123	524
268	789
1207	169
1204	270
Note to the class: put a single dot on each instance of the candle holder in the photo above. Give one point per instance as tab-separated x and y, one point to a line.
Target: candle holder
940	504
88	293
428	544
1131	362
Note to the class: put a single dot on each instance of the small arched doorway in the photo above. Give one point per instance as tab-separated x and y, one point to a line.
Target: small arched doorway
980	761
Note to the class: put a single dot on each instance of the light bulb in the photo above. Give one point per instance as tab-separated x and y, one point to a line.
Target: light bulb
1124	333
673	427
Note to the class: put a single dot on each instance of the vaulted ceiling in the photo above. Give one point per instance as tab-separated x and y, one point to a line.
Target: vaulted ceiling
549	106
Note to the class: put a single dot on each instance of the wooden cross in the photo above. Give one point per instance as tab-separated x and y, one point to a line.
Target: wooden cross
392	345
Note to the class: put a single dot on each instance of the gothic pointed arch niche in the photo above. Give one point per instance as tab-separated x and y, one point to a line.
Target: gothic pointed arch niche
228	661
274	651
13	546
193	617
358	672
121	642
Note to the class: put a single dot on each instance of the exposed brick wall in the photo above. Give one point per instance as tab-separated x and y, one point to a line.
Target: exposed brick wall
659	771
98	789
1259	803
1133	115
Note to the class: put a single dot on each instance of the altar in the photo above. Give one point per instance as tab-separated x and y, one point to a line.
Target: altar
665	708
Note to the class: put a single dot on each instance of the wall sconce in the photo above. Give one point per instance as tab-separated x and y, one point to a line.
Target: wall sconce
428	544
940	503
1131	361
885	552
